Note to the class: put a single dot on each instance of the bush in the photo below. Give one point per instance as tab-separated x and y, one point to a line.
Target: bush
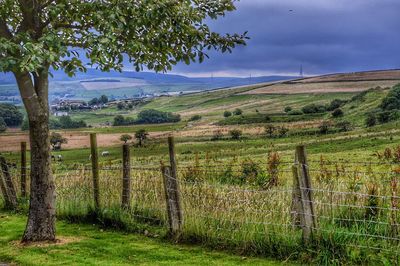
392	100
313	109
335	104
235	134
3	126
282	131
295	112
270	130
195	118
152	116
120	105
227	114
119	120
66	123
337	113
125	138
56	139
384	117
288	109
371	120
344	126
237	111
324	127
217	135
11	115
141	136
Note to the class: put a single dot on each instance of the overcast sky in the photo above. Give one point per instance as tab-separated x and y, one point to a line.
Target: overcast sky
324	36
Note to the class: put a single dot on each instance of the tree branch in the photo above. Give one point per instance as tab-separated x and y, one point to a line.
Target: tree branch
4	31
29	95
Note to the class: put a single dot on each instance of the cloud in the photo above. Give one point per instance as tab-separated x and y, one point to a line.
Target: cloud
322	35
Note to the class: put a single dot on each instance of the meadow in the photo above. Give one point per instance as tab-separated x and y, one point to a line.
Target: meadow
237	194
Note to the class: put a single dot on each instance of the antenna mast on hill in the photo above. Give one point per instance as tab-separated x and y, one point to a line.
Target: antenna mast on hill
301	71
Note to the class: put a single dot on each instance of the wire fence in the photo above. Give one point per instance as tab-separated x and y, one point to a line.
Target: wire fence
234	203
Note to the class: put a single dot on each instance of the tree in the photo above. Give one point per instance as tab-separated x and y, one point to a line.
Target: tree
10	114
125	138
282	131
337	113
195	118
93	101
39	35
141	135
227	114
103	99
152	116
324	127
3	126
288	109
344	126
236	134
238	111
56	139
120	105
370	121
270	130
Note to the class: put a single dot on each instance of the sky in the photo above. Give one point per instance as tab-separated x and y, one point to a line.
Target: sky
324	36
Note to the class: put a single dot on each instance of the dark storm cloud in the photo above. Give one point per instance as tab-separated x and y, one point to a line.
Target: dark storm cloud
322	35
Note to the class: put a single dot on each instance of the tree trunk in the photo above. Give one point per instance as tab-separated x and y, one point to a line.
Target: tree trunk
41	220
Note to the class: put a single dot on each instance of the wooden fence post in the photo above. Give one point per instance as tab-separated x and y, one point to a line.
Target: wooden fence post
8	184
296	209
23	170
126	176
8	203
307	217
172	193
95	170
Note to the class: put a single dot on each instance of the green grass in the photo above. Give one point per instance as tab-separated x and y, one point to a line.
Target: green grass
92	245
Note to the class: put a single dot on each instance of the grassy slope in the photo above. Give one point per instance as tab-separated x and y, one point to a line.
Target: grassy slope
93	246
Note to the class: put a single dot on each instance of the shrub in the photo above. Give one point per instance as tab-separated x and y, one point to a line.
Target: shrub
236	134
324	127
269	130
335	104
217	135
120	105
282	131
125	138
384	117
252	173
56	139
337	113
119	120
313	109
141	136
295	112
11	115
344	126
288	109
67	123
195	118
392	100
227	114
3	126
237	111
371	120
152	116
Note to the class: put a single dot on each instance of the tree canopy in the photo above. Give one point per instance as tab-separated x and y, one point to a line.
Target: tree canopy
152	33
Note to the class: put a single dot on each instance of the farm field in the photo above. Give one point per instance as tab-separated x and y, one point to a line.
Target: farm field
238	194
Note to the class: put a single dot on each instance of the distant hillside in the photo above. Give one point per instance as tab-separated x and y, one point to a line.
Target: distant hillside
333	83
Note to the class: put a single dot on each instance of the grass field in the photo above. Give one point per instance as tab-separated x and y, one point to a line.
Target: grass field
83	244
227	203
